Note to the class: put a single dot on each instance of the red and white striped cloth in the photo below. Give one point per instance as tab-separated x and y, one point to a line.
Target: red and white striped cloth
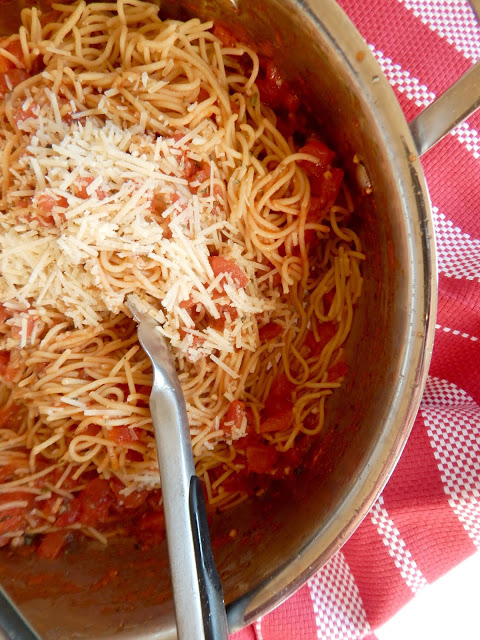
428	518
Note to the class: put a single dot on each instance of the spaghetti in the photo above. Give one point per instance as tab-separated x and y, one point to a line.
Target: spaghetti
163	160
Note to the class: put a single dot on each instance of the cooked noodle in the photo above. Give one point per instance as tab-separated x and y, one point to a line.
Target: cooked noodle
138	158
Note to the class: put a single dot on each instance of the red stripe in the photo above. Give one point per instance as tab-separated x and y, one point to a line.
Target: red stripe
402	36
294	620
457	360
453	177
417	503
382	588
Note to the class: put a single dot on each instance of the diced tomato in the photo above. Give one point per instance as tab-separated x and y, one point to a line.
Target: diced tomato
279	398
327	186
134	456
274	91
339	370
223	265
91	430
46	202
187	304
225	36
124	435
21	115
71	514
10	80
52	544
323	154
270	331
261	459
326	331
80	188
278	421
133	500
234	416
96	500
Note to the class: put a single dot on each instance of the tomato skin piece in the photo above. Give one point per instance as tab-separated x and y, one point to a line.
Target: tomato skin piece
323	154
235	413
223	265
270	331
278	421
51	545
261	458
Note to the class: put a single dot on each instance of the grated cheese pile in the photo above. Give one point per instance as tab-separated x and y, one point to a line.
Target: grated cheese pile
93	208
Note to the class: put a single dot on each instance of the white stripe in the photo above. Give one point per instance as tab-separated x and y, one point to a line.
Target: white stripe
337	604
396	547
455	21
456	333
458	254
452	419
405	83
258	629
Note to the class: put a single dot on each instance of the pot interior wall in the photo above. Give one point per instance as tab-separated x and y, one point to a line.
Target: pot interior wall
64	598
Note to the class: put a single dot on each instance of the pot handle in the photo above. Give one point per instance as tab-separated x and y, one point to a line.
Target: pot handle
448	110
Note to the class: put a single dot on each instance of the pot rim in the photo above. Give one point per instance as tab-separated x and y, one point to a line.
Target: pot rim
369	80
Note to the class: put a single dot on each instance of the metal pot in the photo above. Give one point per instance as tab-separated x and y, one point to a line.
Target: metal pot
284	538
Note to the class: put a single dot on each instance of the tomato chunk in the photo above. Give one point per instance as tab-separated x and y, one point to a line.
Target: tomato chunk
123	435
71	514
51	545
261	458
221	265
327	186
278	421
234	416
323	154
133	500
270	331
279	398
96	500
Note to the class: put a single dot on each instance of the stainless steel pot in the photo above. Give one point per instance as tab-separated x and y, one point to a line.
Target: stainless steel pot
283	538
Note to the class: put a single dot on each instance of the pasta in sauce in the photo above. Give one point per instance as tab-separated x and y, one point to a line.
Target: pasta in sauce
161	159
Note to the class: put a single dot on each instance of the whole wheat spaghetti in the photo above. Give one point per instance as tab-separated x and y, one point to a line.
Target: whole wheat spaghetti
142	156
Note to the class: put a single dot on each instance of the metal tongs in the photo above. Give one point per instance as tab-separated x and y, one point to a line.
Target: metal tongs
197	591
